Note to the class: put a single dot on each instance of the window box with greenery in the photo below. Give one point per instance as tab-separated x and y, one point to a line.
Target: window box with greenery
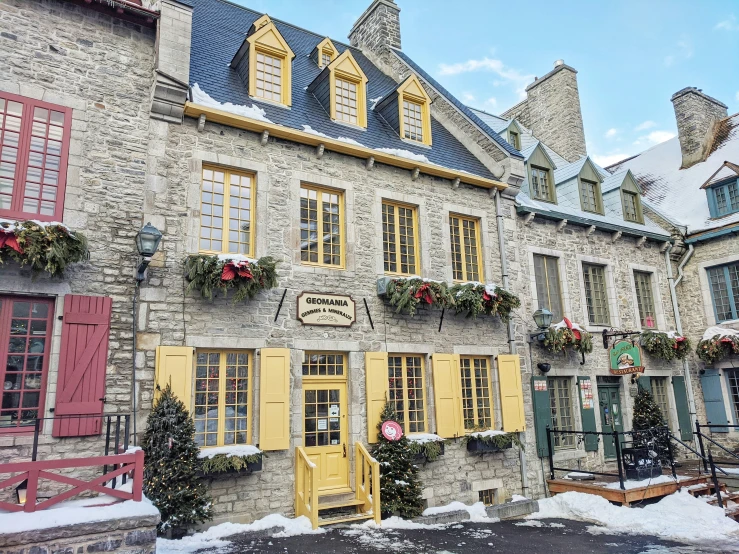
491	441
474	299
223	273
407	293
717	344
566	334
44	247
666	346
426	447
230	460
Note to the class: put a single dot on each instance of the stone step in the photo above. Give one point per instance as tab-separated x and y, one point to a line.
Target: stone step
339	504
342	518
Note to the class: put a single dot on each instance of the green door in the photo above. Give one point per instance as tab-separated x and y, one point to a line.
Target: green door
611	417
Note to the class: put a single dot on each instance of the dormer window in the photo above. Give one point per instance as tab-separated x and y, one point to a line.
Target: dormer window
341	88
324	53
325	58
412	120
408	111
541	184
514	139
590	196
632	207
269	77
345	101
725	199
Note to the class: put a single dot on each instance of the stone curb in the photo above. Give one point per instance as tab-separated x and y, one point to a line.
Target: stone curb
501	511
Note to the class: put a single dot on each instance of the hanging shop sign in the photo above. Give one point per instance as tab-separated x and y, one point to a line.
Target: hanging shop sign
625	358
392	430
316	308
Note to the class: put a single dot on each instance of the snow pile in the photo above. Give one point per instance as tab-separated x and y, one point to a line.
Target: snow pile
679	517
396	522
477	511
719	332
374	102
424	438
241	450
485	434
402	153
213	537
199	96
643	483
236	258
350	141
577	474
518	498
563	324
312	131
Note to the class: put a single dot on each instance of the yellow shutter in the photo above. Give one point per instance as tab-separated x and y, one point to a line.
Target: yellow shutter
174	367
375	367
447	395
511	393
274	399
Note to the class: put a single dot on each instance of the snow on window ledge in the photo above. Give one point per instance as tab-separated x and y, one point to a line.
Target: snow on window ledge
424	437
240	450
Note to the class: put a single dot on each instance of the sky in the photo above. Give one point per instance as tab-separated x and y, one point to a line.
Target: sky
631	55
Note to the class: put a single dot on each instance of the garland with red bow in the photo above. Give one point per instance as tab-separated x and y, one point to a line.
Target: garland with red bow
717	348
665	346
407	294
48	247
568	335
211	275
474	299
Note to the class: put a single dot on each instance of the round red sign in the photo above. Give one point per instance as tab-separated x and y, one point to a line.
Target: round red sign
392	431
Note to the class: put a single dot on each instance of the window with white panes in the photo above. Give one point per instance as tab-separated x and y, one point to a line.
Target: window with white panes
596	295
321	226
412	121
226	212
325	58
477	405
548	289
466	253
645	299
399	239
540	185
346	101
560	403
406	384
269	77
724	281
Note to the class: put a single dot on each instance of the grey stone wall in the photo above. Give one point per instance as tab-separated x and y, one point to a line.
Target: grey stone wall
696	114
101	67
378	28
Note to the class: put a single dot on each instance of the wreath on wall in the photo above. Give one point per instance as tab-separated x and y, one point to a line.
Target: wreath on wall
718	343
45	247
246	277
566	334
474	299
666	346
407	294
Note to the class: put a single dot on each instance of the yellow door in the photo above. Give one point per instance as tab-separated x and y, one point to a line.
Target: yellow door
325	433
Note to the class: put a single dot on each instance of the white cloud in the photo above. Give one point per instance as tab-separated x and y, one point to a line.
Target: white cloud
492	102
508	74
467	97
655	137
648	124
604	160
669	60
737	96
730	24
611	133
684	51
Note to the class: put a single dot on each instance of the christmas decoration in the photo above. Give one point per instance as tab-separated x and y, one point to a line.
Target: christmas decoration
223	463
428	448
648	427
407	294
400	489
48	247
490	441
567	334
172	464
213	274
718	343
475	299
667	346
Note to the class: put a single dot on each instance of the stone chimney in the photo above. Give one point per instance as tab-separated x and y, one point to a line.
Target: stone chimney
552	111
696	115
377	29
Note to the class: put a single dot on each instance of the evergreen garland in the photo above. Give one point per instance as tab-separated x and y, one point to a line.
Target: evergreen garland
48	247
501	441
211	275
557	339
400	489
717	348
431	450
474	299
223	463
407	294
649	427
171	465
664	346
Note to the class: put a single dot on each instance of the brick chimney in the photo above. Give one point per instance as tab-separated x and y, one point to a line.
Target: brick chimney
696	115
552	111
377	29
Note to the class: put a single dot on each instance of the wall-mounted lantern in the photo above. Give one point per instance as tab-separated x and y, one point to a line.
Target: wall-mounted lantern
147	243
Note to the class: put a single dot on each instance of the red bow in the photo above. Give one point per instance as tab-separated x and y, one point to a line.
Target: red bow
575	332
486	297
11	241
231	269
424	293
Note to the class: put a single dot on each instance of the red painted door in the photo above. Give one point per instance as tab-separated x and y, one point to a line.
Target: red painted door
80	390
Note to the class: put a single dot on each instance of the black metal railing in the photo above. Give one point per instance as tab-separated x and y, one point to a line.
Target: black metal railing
709	463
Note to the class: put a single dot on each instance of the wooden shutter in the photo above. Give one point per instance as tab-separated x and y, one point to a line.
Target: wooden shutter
713	397
684	421
80	389
274	399
447	395
587	414
645	383
174	368
375	368
511	392
542	413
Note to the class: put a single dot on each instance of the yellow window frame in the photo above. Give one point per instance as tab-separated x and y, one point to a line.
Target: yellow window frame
266	39
463	252
346	68
327	48
404	379
342	225
222	393
413	92
396	238
473	388
227	209
307	354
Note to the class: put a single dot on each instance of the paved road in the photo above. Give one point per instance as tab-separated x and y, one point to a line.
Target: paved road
519	537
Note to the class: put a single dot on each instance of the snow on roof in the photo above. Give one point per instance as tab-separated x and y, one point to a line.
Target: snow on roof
677	192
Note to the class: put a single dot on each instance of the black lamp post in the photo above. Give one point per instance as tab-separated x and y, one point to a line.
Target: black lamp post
543	319
147	242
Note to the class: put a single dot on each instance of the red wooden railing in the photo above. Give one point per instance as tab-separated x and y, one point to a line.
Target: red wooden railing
34	471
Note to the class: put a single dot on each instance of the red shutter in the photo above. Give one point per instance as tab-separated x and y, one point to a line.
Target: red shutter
80	385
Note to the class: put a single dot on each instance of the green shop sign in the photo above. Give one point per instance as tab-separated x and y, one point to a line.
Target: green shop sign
625	358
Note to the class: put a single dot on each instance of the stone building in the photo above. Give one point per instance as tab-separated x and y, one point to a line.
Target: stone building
691	189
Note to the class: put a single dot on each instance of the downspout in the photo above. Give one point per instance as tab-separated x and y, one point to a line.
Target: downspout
511	331
678	321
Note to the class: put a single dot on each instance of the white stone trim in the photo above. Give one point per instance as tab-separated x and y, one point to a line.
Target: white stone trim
487	239
475	350
223	342
706	288
341	346
610	292
487	484
409	348
423	230
561	264
659	311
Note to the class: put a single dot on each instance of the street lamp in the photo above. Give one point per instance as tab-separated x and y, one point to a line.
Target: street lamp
543	319
20	492
147	242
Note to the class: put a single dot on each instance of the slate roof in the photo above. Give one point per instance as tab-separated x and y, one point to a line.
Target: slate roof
219	29
677	192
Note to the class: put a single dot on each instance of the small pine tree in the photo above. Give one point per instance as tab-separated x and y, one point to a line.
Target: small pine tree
647	415
400	489
170	479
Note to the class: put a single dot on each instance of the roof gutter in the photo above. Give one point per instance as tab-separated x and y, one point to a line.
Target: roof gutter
707	235
226	118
